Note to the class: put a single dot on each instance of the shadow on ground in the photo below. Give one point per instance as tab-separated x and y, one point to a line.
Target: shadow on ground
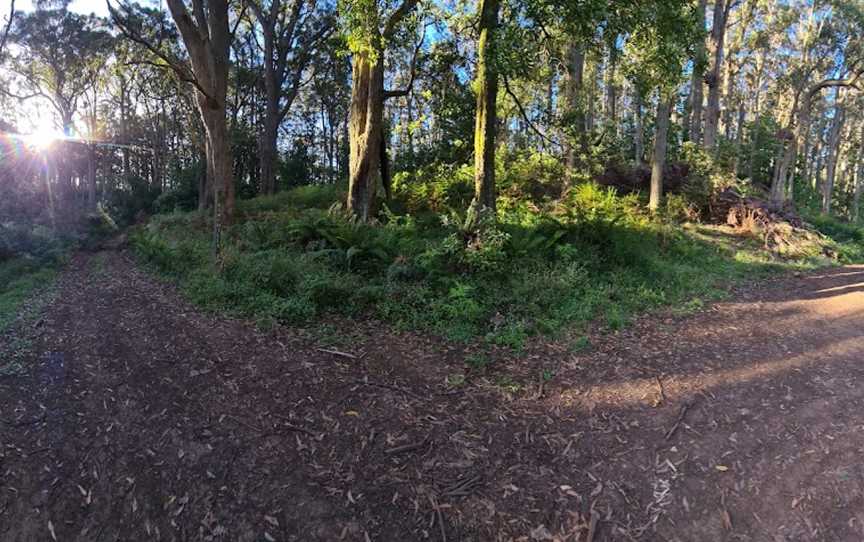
144	419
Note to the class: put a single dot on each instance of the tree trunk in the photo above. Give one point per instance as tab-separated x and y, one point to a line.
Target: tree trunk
832	157
485	117
718	36
729	100
366	130
859	181
267	153
207	38
610	102
220	167
739	137
697	80
91	175
664	108
638	129
574	115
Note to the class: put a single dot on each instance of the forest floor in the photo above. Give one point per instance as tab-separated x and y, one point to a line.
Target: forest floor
127	414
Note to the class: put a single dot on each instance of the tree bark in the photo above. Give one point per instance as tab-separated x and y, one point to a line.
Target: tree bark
208	41
697	81
718	36
638	128
664	108
832	157
366	116
611	99
91	175
859	181
366	129
574	115
486	85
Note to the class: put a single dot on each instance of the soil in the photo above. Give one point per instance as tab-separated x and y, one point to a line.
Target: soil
139	417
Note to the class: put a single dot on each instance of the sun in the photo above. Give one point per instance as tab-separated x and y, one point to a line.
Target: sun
42	138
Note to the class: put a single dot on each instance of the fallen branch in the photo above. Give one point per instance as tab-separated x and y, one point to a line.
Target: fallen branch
338	353
684	408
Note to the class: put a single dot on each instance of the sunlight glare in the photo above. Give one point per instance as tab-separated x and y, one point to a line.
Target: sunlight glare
42	138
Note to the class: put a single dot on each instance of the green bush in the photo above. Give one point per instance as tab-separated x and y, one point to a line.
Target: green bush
590	255
36	242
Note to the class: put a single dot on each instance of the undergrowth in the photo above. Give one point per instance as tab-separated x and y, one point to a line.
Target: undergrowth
585	256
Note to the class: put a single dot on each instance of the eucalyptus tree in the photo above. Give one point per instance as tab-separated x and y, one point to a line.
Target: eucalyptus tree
291	32
713	78
206	32
654	57
832	57
58	56
486	89
369	26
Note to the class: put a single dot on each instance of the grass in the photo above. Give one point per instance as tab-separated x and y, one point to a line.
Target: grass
20	280
593	257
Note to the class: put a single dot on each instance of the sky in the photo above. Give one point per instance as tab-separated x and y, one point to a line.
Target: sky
81	6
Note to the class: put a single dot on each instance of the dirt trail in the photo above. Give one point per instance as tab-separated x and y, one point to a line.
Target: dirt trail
140	418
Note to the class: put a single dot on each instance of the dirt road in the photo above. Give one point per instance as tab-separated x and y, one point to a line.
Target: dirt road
138	417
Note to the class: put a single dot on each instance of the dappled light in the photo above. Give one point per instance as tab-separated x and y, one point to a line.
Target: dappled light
397	270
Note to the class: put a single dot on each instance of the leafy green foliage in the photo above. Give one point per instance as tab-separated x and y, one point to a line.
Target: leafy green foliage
592	254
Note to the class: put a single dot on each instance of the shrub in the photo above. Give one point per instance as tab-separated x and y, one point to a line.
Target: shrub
34	242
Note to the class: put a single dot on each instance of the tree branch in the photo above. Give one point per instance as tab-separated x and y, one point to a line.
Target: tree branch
524	113
8	26
397	16
407	89
176	65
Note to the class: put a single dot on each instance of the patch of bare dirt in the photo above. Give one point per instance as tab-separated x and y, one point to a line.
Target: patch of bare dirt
142	418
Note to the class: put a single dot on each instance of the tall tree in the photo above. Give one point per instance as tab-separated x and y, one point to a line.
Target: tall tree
661	139
486	88
368	41
207	37
58	55
291	32
713	78
697	81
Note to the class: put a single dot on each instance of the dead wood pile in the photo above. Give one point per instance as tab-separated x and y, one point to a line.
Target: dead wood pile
781	228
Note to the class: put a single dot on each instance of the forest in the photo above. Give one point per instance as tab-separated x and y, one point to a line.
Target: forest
367	270
492	169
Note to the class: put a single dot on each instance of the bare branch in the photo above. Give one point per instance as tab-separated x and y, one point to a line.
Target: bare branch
407	89
524	113
176	65
8	28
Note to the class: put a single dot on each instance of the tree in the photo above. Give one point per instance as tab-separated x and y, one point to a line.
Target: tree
368	41
713	78
207	38
4	37
658	160
291	33
697	82
486	88
59	56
